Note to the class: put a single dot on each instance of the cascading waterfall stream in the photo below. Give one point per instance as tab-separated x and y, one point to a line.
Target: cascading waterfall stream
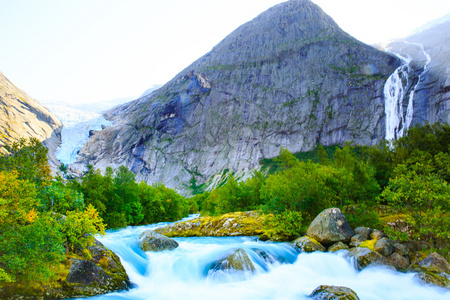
395	92
281	272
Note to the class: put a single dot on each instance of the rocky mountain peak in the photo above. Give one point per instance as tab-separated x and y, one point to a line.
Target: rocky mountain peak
289	78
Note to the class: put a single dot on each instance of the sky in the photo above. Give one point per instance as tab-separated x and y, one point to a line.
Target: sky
96	50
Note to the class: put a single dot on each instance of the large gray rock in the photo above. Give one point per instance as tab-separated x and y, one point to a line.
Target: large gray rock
101	273
153	241
331	292
329	227
365	257
364	232
289	78
435	263
237	260
384	246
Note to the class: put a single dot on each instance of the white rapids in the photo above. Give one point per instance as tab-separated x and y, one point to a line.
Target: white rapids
283	273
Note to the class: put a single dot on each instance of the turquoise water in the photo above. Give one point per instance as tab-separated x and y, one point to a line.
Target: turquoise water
281	273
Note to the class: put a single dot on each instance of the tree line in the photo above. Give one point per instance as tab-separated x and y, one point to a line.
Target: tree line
409	176
43	219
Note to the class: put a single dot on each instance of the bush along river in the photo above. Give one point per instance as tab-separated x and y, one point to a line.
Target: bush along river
240	267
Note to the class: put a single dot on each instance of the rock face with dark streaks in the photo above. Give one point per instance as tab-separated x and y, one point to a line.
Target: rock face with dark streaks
289	78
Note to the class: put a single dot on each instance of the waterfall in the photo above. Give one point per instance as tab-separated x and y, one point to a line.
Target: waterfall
395	91
280	271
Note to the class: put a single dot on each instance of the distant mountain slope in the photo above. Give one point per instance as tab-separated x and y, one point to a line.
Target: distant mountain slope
429	74
23	117
289	78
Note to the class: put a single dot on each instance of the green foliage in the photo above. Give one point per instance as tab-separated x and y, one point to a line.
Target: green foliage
28	158
233	196
419	190
127	191
33	230
285	226
301	188
121	201
59	198
5	277
272	166
175	206
362	215
31	251
79	227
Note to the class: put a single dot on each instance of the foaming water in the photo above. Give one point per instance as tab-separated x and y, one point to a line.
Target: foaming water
281	272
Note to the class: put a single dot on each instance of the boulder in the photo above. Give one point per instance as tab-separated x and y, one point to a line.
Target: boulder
237	260
425	277
364	232
101	273
95	271
356	240
337	246
329	227
384	247
152	241
308	244
331	292
435	263
401	249
365	257
377	234
398	261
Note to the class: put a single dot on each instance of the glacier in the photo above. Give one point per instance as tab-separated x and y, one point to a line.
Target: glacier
75	133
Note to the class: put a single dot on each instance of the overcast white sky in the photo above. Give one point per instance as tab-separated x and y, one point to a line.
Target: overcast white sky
79	51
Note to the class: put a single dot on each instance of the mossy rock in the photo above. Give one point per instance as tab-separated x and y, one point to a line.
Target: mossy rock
337	246
231	224
427	277
308	244
92	271
333	293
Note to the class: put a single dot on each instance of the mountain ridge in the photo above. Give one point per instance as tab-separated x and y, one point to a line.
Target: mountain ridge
23	117
289	78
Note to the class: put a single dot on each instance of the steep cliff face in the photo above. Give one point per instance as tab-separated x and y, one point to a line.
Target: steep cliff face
23	117
428	55
289	78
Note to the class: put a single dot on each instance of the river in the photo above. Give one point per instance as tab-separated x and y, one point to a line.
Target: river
182	273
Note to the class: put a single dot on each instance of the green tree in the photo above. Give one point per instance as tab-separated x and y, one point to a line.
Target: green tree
30	243
28	158
59	198
417	190
127	191
152	207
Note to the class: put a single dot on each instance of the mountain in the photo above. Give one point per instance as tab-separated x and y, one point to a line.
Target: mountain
289	78
23	117
427	55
